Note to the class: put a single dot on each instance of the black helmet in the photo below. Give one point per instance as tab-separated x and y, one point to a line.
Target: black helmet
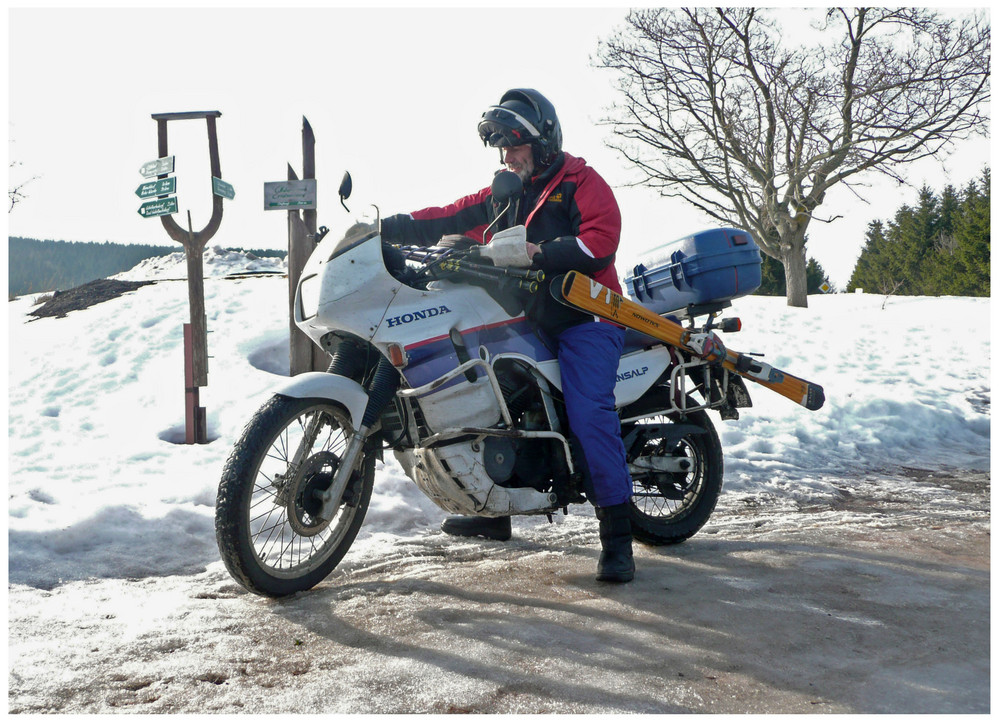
523	116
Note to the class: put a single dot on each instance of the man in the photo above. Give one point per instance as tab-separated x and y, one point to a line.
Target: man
572	222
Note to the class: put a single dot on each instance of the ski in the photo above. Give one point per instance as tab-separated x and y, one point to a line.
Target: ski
586	294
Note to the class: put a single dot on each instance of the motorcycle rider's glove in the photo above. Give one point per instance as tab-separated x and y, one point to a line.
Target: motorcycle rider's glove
508	248
394	228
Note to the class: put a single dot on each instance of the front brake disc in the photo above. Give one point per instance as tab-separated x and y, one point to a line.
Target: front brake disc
305	494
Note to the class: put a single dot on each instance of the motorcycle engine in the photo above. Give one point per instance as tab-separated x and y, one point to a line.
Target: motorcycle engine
520	462
499	456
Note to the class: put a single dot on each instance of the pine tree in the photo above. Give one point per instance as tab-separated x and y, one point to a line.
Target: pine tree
816	277
942	269
772	276
916	242
874	271
941	246
972	234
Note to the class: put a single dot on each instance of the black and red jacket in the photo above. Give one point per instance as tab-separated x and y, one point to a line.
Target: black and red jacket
568	210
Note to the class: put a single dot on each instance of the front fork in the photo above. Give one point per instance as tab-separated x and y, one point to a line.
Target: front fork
304	450
383	387
332	496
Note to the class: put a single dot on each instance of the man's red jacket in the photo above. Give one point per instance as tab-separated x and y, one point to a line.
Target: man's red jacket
569	211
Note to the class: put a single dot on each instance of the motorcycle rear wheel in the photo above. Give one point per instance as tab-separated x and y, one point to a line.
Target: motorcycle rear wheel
668	508
268	535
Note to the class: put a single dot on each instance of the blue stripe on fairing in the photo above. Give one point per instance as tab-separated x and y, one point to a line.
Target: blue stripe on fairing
433	358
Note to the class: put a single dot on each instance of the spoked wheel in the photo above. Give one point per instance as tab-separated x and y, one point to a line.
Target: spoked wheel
676	479
266	520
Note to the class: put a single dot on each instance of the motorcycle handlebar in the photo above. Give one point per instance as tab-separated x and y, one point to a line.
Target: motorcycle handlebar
527	279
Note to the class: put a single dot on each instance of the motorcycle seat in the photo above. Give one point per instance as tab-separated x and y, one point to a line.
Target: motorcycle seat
637	340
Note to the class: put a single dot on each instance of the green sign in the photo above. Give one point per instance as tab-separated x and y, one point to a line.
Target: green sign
161	187
221	188
160	207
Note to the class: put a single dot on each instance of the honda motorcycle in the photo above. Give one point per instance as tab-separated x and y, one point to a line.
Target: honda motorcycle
433	359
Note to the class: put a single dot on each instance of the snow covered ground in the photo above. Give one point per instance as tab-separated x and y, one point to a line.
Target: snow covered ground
109	513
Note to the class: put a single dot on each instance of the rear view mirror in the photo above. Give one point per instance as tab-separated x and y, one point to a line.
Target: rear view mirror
505	185
345	190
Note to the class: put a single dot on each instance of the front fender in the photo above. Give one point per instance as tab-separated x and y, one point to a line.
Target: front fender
316	384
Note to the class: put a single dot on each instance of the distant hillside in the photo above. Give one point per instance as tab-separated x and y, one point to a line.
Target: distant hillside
35	266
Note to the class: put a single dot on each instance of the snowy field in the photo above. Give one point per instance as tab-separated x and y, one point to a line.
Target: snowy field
102	496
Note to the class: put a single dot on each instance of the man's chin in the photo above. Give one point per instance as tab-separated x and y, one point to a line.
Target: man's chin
523	174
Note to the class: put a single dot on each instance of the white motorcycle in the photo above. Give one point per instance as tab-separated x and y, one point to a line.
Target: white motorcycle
432	358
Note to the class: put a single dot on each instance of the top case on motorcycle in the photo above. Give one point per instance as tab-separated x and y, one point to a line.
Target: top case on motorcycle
707	267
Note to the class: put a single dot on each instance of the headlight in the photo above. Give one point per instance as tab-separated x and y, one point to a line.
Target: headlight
309	296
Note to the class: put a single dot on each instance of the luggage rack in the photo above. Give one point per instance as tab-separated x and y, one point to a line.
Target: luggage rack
716	390
692	310
678	386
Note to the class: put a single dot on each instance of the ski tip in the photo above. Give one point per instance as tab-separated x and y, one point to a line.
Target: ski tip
815	398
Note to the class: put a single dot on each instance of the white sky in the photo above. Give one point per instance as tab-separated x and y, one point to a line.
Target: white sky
393	95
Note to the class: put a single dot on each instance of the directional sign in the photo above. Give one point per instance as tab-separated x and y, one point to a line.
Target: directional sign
221	188
161	207
293	194
161	187
160	166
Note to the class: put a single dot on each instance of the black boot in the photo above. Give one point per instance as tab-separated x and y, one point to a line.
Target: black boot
616	563
490	527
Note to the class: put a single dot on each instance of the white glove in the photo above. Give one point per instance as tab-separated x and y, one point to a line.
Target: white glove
508	248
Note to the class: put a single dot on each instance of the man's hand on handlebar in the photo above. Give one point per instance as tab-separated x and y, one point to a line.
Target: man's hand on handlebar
509	248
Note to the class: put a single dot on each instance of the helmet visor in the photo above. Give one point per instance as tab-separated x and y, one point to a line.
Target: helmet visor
500	136
501	127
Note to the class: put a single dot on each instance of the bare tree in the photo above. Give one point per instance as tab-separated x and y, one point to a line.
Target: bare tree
889	288
719	110
16	192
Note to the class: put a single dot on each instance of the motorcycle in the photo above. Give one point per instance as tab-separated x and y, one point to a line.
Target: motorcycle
433	359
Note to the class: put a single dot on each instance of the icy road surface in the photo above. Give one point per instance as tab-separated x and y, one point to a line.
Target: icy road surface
876	604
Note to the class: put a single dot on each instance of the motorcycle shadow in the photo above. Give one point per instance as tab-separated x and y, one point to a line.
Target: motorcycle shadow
717	615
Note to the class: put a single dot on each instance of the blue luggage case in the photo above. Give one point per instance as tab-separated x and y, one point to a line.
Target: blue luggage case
711	266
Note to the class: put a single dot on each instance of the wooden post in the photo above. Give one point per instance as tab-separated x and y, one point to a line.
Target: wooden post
309	171
195	333
195	426
319	359
299	247
303	354
196	301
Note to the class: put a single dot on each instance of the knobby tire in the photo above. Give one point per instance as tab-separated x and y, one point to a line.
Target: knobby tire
240	503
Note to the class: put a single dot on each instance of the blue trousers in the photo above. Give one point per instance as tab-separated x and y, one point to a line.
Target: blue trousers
588	363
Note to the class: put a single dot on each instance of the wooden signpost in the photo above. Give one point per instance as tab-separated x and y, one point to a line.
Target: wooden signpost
298	198
196	332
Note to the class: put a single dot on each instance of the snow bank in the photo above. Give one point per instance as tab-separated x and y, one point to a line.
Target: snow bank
216	262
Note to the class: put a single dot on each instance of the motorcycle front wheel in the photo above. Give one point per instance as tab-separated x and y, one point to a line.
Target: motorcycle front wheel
669	507
270	537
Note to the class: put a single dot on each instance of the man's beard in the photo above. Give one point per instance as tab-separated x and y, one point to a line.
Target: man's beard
525	172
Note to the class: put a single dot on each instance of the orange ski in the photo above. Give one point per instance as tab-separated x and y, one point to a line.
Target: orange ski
586	294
